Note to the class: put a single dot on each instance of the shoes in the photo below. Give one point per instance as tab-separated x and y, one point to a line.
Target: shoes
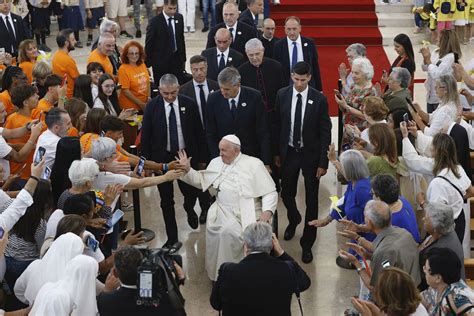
290	230
124	34
192	30
205	29
138	34
45	48
203	217
307	256
79	44
168	244
89	42
193	220
343	263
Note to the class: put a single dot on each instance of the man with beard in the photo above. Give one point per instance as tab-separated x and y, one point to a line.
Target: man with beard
63	64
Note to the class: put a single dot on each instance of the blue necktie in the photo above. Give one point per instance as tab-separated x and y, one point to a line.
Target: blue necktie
233	108
173	38
173	129
221	63
294	56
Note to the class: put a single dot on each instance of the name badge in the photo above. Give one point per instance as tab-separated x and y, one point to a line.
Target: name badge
239	32
310	101
244	104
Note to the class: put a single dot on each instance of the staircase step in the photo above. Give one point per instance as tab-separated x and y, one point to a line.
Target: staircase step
329	18
389	34
404	7
396	20
323	5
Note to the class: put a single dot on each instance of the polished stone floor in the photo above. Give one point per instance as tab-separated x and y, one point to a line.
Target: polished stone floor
331	286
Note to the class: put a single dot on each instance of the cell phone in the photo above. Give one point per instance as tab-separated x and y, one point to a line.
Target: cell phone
141	165
385	264
39	155
91	243
338	94
47	173
406	118
118	214
346	147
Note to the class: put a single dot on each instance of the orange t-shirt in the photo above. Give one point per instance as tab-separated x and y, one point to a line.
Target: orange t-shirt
27	67
104	60
43	107
137	80
6	99
62	64
14	121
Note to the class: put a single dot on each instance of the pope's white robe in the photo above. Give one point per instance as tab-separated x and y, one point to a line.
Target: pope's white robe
238	188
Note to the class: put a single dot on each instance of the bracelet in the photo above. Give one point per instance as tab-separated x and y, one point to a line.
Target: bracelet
165	167
34	178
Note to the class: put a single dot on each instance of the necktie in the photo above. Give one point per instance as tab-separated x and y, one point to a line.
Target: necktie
202	98
294	56
221	63
173	38
297	123
233	108
231	30
261	87
173	129
10	32
255	21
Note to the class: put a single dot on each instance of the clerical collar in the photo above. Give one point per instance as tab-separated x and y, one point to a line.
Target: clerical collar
268	39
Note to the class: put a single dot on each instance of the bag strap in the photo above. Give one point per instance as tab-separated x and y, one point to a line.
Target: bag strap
462	310
292	268
457	189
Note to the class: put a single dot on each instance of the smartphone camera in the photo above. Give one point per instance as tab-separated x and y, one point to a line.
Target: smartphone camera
141	166
406	118
39	155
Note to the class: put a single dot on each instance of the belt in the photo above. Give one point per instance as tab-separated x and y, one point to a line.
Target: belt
298	150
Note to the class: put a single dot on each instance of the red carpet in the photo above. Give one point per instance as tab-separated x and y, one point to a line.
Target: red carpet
335	24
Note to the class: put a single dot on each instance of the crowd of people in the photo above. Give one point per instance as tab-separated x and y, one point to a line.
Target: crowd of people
234	133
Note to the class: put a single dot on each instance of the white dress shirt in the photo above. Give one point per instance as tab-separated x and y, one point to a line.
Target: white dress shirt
176	108
299	47
197	91
226	55
49	141
236	100
167	21
234	30
10	19
294	99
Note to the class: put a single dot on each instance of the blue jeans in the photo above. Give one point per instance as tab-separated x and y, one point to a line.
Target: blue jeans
266	8
418	20
14	269
206	5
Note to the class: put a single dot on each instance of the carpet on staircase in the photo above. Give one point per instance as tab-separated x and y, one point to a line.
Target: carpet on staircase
335	24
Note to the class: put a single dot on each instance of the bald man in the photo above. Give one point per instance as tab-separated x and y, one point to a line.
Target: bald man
267	37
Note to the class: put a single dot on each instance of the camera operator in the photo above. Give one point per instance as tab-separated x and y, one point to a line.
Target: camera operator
123	301
260	284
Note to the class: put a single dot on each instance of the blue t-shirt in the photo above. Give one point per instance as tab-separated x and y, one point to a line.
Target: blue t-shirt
405	218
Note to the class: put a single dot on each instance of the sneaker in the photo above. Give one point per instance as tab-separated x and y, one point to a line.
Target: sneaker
192	29
205	29
124	34
185	30
79	44
138	34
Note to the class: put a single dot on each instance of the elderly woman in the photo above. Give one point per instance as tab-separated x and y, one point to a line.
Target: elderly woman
351	106
447	110
439	224
41	70
448	294
354	168
398	96
352	52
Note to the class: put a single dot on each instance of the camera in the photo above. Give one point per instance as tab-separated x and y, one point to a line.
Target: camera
156	278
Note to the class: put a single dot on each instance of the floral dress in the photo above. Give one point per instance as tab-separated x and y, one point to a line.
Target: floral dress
354	99
456	299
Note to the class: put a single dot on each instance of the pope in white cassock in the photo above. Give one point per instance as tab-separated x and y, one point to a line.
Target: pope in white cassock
243	188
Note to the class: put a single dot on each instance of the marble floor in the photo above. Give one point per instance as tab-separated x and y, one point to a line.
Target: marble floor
331	287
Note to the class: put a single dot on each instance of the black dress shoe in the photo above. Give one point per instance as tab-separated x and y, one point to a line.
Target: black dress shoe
203	217
307	256
343	263
289	232
138	34
205	29
168	244
193	220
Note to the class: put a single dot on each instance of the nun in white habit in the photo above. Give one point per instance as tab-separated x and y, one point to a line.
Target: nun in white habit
244	193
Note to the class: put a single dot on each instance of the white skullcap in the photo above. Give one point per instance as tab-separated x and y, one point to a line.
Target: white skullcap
232	138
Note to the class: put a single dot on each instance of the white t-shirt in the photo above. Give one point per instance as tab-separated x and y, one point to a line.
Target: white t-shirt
420	311
105	178
49	141
5	149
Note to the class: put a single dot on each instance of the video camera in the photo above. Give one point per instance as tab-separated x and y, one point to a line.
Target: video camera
156	277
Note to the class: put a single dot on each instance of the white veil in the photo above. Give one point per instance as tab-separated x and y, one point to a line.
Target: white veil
52	300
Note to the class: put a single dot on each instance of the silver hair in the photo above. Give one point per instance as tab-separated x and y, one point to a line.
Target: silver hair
103	148
379	213
358	49
365	66
355	165
82	171
233	4
105	36
106	25
402	75
254	43
441	216
168	80
258	237
229	75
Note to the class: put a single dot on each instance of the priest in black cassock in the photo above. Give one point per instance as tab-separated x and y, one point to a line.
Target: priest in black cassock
267	37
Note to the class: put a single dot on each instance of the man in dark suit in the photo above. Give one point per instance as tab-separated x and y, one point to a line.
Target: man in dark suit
123	301
302	134
260	284
222	55
253	15
164	44
199	89
12	29
240	32
267	38
295	48
238	110
172	122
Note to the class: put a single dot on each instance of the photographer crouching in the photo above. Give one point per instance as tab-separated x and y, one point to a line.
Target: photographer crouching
128	298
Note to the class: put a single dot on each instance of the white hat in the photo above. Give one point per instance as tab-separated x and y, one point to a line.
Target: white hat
232	138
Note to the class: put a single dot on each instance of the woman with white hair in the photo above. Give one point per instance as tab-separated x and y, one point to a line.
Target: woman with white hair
353	51
351	106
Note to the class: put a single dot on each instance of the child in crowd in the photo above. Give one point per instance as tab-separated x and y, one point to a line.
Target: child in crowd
461	19
445	13
95	11
421	15
72	18
40	22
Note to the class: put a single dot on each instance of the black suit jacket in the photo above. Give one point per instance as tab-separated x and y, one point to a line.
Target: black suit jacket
188	90
316	127
235	59
243	33
250	125
269	45
122	302
21	33
310	54
258	285
154	139
247	18
158	42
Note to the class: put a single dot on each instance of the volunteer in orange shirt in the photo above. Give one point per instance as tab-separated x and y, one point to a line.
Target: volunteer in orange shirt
105	48
77	110
12	77
26	99
27	54
55	95
62	63
134	78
